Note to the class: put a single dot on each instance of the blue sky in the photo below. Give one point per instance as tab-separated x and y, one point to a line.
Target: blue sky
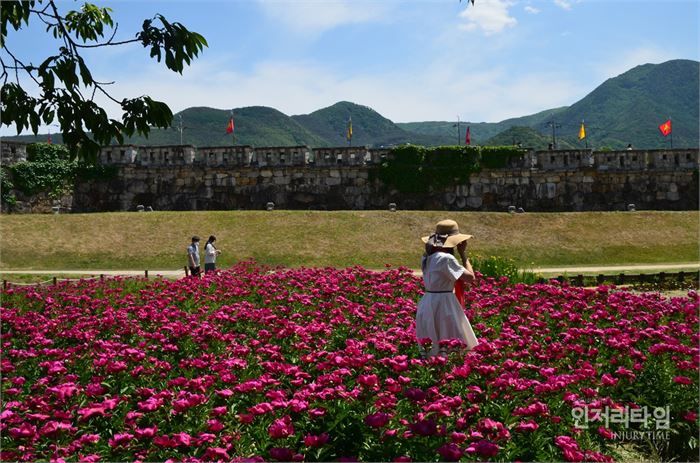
409	60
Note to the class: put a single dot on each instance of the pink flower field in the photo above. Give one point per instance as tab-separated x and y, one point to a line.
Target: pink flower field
323	364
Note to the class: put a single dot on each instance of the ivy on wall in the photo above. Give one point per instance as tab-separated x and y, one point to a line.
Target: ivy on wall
417	169
49	169
6	187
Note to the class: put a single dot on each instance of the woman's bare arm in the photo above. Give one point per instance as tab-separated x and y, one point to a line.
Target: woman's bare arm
468	275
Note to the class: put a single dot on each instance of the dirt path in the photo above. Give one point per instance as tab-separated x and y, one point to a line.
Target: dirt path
619	268
151	273
648	268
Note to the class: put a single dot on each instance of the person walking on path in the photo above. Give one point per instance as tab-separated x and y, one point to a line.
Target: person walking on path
440	316
193	257
210	253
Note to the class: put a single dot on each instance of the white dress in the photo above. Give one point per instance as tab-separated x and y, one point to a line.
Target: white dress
439	315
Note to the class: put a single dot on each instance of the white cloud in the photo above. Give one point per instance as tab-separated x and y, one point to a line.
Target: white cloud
620	62
531	9
491	16
316	16
564	4
440	91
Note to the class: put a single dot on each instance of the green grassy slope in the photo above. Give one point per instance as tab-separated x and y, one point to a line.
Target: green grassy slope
341	238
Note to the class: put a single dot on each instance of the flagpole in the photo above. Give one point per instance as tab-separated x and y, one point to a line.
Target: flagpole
233	133
669	118
459	132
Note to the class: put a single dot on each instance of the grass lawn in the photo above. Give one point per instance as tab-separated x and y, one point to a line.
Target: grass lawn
157	240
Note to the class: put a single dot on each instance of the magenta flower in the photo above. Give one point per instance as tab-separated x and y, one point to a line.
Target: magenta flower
142	433
526	426
483	448
214	425
311	440
255	350
569	448
415	394
281	454
450	452
182	439
605	432
377	420
120	439
281	428
24	431
216	454
424	427
608	380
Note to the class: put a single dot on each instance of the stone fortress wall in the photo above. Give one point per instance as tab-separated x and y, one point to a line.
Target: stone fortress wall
182	177
298	177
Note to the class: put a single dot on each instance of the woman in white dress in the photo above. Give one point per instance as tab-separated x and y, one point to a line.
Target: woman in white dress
440	316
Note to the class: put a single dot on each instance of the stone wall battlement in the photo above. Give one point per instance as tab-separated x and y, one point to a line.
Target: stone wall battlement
241	156
285	156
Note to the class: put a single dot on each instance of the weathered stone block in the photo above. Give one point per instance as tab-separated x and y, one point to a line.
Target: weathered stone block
266	173
474	201
551	189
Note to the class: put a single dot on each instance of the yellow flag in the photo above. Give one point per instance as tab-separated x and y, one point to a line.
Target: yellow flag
348	134
582	132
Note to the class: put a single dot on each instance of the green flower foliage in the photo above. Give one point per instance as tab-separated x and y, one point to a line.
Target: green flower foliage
417	169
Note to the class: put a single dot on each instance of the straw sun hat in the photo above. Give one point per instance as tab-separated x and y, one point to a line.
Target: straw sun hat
446	235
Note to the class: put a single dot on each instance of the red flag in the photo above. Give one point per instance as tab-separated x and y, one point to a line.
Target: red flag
229	127
49	139
468	138
665	128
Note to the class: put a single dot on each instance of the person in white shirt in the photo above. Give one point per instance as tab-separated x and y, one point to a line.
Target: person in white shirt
210	253
440	316
193	257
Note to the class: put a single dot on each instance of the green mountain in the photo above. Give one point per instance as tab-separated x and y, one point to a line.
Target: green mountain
480	132
624	109
527	137
253	124
368	127
630	107
446	132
